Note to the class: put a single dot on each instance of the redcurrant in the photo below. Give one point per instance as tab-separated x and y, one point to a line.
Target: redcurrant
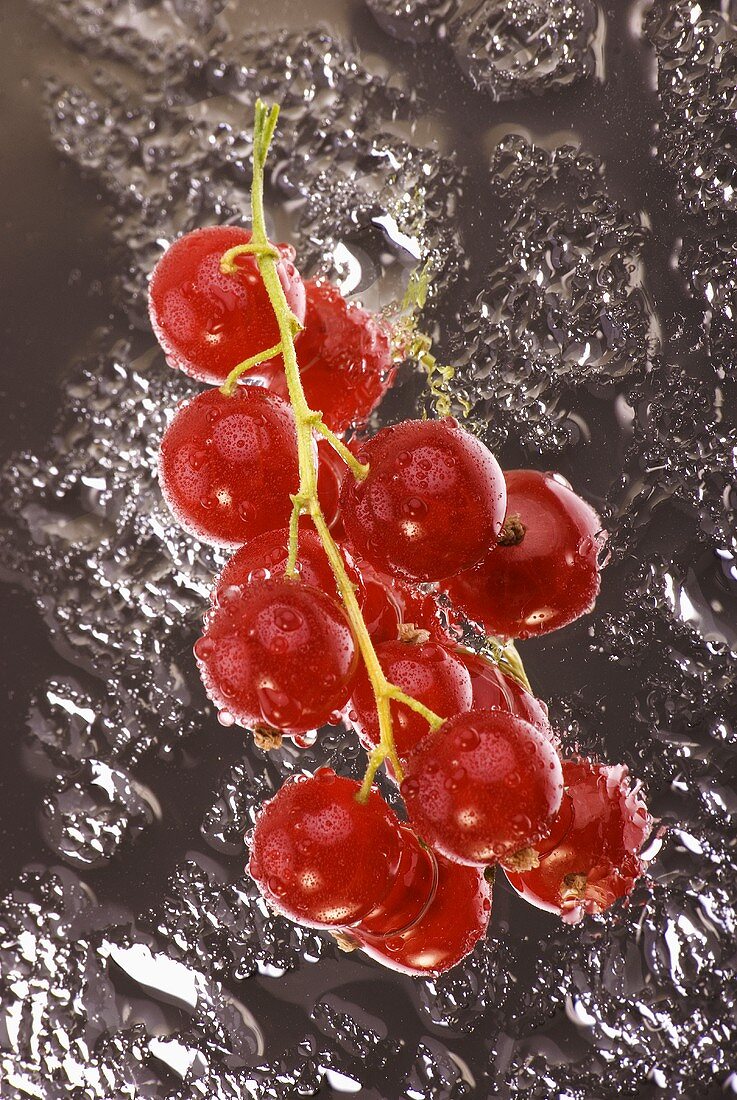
428	673
432	503
345	359
278	653
208	322
484	785
492	690
546	580
228	464
320	856
453	923
592	856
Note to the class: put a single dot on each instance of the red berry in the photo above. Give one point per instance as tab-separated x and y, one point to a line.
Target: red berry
492	690
345	359
228	464
208	322
428	673
548	579
484	785
266	556
387	603
278	653
320	856
433	501
592	857
453	923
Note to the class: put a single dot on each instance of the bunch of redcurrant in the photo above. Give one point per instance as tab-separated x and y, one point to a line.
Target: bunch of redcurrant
326	610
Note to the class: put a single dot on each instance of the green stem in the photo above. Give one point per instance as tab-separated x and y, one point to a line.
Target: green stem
231	381
308	423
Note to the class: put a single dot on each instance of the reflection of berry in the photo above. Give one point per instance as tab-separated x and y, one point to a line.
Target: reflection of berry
592	855
426	672
492	690
345	359
432	503
228	464
278	653
389	604
322	857
547	579
451	926
208	322
482	786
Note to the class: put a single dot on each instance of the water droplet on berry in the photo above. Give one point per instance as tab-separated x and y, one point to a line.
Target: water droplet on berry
198	459
287	619
225	718
204	648
228	594
414	508
410	787
587	547
468	739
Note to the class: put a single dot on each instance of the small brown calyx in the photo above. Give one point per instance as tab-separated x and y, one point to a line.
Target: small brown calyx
526	859
345	941
512	532
266	738
574	886
412	635
490	875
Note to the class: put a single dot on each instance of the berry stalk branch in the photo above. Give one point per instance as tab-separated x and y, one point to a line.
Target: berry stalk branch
309	423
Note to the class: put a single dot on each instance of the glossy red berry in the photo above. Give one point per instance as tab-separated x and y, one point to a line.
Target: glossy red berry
484	785
549	578
321	857
228	464
451	926
432	503
592	856
278	653
345	358
492	690
208	322
427	672
266	556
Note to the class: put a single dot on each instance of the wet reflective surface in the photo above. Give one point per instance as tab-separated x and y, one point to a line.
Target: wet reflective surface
569	170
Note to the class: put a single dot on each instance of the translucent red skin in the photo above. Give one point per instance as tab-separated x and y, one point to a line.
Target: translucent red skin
345	358
433	501
493	690
228	464
550	578
601	827
208	322
427	672
388	602
483	786
456	919
269	668
319	856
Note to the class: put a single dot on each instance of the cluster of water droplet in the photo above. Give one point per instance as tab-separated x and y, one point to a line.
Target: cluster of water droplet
558	352
563	306
507	48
